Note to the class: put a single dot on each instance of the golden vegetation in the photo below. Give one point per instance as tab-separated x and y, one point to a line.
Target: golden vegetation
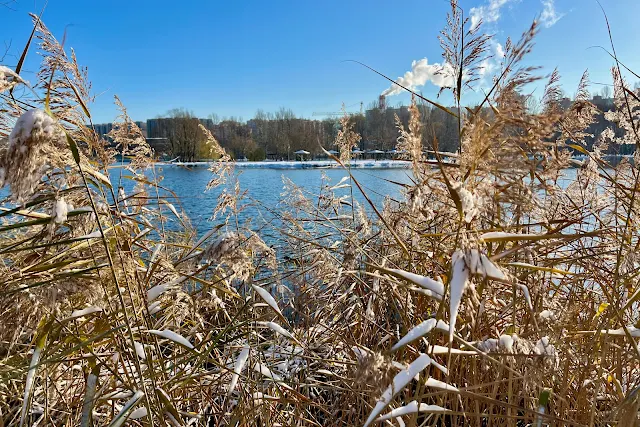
499	292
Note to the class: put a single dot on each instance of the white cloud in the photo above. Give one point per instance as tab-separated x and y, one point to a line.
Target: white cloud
487	13
499	51
421	73
549	15
492	64
486	68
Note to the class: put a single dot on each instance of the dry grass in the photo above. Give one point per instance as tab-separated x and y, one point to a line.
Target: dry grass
114	313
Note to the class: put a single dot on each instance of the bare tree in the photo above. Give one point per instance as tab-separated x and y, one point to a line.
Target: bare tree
7	44
7	48
533	104
181	128
215	119
278	134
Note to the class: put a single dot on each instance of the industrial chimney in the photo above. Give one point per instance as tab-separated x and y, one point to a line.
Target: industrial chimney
382	102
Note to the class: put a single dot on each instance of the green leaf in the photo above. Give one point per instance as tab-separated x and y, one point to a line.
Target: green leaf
543	400
99	176
580	149
47	99
80	101
166	400
73	147
601	309
24	224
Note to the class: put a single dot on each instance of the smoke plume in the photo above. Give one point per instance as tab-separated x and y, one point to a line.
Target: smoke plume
421	73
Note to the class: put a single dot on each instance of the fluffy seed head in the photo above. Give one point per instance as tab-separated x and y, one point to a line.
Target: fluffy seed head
34	134
8	78
60	210
468	201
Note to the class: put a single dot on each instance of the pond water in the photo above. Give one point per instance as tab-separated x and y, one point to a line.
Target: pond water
265	187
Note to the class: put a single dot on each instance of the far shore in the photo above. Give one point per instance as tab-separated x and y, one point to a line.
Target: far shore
332	164
304	164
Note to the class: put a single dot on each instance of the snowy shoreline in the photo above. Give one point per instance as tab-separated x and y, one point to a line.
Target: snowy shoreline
311	164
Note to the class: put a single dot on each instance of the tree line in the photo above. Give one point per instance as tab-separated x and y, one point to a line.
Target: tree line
277	135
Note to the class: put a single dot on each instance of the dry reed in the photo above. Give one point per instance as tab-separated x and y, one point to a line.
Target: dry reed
499	292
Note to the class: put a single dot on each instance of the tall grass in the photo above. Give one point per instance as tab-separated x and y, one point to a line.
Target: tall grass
497	292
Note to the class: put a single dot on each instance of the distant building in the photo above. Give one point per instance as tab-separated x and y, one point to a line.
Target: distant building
604	104
565	103
208	123
153	128
252	124
143	127
103	129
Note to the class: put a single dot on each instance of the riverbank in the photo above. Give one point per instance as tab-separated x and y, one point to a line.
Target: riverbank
331	164
308	164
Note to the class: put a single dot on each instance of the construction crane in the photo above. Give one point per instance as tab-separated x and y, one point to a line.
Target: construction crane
341	113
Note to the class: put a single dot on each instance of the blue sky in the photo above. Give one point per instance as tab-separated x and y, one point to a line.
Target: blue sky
235	57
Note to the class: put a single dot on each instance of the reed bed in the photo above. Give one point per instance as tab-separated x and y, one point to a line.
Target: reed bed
496	291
